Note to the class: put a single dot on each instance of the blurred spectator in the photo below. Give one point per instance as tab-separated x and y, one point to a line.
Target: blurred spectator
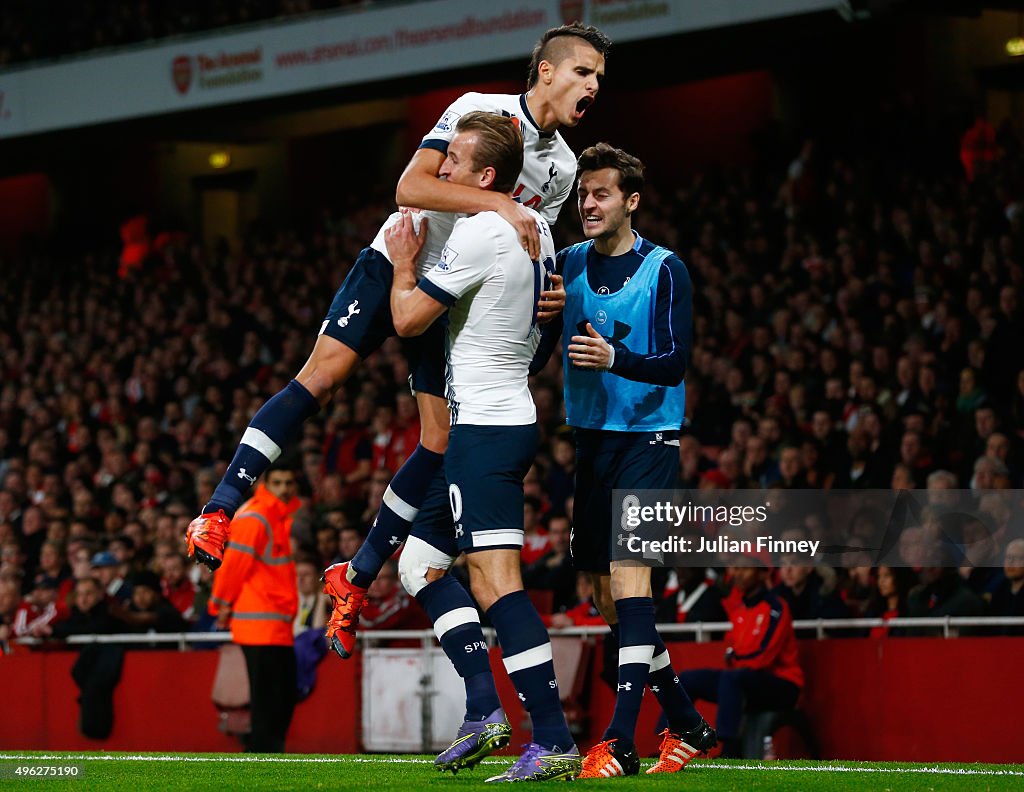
942	592
689	596
1008	595
536	542
89	613
52	565
327	545
890	596
583	612
148	610
347	450
388	605
349	541
312	601
176	586
559	482
41	608
980	567
107	570
811	594
554	571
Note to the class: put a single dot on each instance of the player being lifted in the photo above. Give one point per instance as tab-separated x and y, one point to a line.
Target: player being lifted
564	78
490	286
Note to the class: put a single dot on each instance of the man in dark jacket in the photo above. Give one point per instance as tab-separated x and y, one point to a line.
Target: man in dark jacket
943	592
1008	596
809	595
89	613
98	668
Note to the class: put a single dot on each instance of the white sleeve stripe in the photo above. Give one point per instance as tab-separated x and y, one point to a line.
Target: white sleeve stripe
455	618
528	659
254	438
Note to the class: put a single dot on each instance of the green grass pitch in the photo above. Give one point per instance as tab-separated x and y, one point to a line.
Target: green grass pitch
139	772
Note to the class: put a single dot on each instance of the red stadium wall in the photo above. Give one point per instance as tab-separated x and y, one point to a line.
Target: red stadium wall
906	699
161	704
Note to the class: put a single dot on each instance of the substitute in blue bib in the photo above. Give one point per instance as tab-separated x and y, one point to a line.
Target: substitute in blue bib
626	317
626	333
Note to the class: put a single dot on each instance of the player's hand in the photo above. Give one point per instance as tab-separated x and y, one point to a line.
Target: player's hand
552	301
403	242
590	351
525	225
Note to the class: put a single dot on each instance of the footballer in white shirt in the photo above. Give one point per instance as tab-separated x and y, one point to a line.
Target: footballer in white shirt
488	285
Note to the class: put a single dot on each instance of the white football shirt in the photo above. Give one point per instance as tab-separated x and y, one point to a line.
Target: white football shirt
491	287
549	169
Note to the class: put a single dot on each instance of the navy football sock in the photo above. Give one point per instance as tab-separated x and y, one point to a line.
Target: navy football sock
665	685
274	426
526	652
636	648
457	626
672	696
402	500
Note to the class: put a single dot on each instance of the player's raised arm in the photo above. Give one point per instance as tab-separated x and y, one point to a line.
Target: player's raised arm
420	187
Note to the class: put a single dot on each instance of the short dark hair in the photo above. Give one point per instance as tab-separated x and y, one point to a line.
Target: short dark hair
604	155
545	50
287	463
499	145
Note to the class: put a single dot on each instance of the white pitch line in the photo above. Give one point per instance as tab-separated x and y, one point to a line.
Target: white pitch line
709	765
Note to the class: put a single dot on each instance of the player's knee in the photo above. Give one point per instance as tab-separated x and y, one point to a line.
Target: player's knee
483	591
421	564
434	439
606	607
603	599
327	368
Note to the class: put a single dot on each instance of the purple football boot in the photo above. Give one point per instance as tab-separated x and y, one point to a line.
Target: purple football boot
474	741
540	764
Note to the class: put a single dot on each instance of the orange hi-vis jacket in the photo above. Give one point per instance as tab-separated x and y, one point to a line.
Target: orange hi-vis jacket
257	578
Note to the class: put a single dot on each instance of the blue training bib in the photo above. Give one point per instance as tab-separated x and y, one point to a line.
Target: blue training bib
600	399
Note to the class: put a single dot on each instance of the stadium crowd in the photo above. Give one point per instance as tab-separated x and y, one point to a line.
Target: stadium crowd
28	32
855	328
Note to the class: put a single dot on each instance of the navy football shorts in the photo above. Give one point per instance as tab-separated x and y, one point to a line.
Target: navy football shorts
433	523
360	318
607	461
485	466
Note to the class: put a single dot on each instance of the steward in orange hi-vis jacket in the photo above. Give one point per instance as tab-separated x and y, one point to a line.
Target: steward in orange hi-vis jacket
762	667
256	585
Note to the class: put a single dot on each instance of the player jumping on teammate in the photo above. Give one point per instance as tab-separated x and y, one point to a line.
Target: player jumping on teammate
565	71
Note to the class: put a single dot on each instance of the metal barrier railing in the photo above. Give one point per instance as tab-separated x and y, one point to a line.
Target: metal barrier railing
701	631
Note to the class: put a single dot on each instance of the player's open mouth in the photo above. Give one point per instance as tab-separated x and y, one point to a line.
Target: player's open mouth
583	104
